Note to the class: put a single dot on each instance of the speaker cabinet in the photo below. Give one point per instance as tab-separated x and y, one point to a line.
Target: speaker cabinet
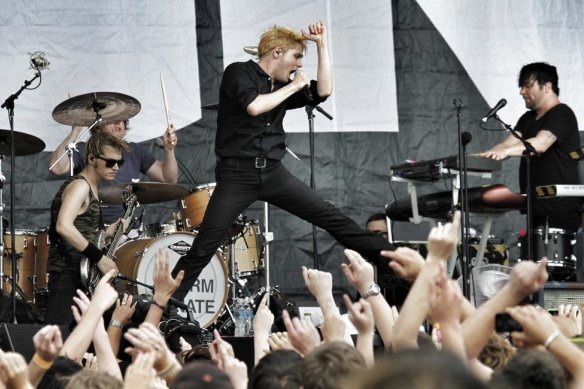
556	293
18	337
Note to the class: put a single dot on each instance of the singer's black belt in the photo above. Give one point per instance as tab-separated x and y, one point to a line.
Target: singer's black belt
248	163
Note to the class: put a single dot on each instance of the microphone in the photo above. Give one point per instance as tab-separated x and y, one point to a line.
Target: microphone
307	93
465	137
494	110
39	60
251	50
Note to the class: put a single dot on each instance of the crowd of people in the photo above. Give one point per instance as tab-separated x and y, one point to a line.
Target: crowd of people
436	339
459	349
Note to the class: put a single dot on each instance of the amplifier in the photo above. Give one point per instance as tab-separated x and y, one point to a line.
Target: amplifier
556	293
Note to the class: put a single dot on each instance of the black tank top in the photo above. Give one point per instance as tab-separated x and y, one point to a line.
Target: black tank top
62	256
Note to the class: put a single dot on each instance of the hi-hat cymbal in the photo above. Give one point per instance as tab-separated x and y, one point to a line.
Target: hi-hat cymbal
146	192
81	110
24	144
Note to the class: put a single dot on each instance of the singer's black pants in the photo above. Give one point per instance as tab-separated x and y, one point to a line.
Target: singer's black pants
239	184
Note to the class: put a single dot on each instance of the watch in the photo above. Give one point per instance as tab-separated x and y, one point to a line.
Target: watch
373	290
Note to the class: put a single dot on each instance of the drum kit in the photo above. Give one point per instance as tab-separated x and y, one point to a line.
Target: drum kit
240	258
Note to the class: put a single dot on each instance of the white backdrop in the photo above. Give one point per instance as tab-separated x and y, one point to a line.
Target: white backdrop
361	47
106	45
494	39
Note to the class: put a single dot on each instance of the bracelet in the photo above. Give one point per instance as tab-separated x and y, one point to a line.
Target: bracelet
551	338
168	372
116	323
40	362
92	253
163	307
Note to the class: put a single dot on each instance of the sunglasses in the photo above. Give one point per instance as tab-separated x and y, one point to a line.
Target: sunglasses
110	162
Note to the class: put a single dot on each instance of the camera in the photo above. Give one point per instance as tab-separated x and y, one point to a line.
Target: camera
505	323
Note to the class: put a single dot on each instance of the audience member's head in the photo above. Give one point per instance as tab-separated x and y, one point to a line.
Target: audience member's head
377	224
201	374
497	352
93	379
330	365
277	370
530	369
58	374
417	369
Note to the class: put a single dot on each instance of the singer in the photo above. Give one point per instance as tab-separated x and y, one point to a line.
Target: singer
552	129
250	143
75	219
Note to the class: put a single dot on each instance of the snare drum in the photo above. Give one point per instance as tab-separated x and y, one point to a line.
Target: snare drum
25	260
209	293
247	259
194	205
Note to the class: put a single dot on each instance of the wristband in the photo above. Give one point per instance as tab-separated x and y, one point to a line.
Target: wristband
551	338
116	323
92	253
163	307
40	362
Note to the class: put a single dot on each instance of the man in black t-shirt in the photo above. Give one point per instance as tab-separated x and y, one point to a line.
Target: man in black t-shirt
552	129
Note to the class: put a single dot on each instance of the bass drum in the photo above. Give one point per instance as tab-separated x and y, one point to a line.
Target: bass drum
209	293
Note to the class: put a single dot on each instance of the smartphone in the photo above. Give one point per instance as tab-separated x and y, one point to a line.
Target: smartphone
505	323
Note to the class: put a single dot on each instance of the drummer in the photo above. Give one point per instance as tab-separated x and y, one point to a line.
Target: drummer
137	160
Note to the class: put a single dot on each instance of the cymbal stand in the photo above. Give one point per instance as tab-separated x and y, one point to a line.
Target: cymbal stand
71	147
268	237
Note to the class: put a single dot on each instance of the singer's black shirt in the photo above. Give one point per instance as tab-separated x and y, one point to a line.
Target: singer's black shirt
554	167
240	135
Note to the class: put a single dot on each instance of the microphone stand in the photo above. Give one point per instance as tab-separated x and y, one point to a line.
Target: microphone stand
463	201
527	154
9	105
309	112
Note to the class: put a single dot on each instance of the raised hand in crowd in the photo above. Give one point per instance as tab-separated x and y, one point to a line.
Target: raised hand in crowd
320	285
141	373
105	358
103	297
361	315
539	328
361	276
184	345
406	262
47	342
302	333
164	286
443	239
280	341
13	371
446	308
527	277
569	320
121	316
147	338
222	354
262	325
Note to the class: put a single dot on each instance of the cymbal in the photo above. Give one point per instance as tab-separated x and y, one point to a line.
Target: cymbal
146	192
81	110
213	106
24	144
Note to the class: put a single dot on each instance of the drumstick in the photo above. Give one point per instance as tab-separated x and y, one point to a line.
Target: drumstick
165	102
